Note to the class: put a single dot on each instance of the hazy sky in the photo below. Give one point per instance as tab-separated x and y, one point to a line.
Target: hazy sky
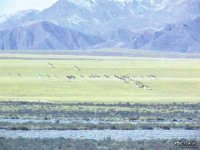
11	6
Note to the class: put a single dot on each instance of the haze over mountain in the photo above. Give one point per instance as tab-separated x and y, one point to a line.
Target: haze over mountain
45	35
180	37
135	24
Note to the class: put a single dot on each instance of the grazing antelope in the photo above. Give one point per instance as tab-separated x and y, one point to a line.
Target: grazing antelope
147	88
48	76
78	69
118	77
152	76
71	77
56	76
91	76
18	74
125	81
106	76
51	65
97	76
39	76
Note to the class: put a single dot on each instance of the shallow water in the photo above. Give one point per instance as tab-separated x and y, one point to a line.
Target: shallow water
102	134
93	121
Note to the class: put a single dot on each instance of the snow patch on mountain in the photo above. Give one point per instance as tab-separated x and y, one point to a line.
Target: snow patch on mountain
75	19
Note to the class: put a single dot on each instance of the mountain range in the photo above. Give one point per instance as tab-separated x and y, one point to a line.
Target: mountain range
45	35
164	25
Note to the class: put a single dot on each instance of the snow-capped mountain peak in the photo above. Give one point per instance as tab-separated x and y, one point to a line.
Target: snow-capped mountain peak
116	21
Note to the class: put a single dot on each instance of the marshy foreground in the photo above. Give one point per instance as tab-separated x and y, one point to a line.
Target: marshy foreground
98	125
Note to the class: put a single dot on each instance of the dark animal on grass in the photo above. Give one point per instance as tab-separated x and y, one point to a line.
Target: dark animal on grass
71	77
106	76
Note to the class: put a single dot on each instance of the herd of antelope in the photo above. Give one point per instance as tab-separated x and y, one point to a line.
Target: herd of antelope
123	78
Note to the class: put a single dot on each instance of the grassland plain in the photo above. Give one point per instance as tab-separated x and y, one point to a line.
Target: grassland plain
34	77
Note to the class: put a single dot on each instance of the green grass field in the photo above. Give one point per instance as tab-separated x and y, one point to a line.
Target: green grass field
24	77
